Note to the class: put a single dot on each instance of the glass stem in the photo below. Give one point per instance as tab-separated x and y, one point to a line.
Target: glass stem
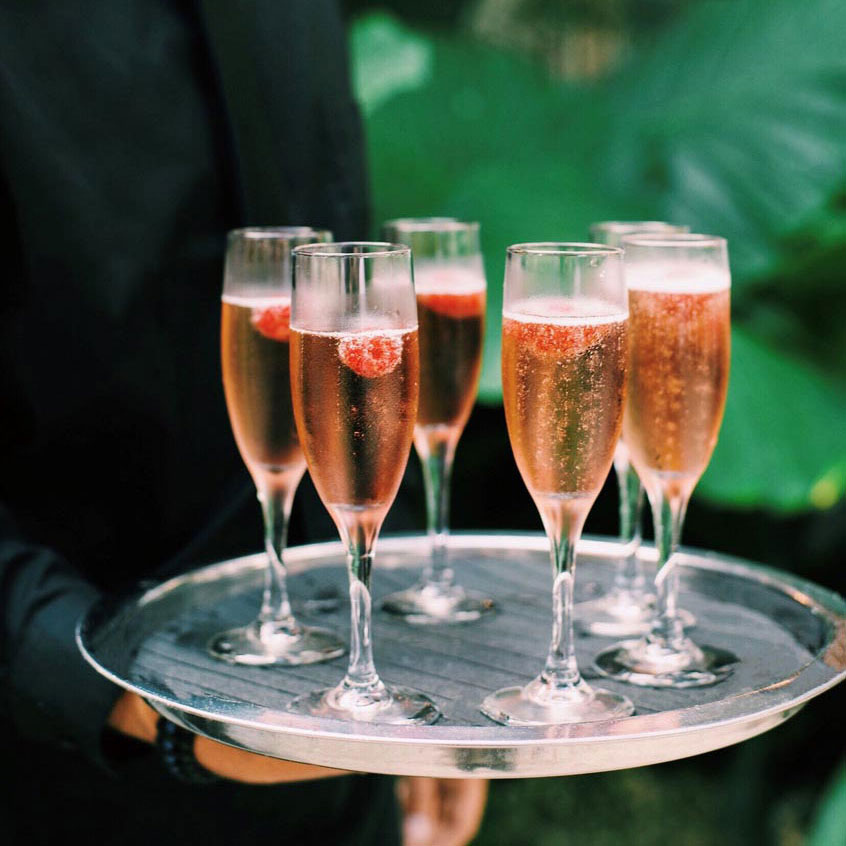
276	500
668	510
629	576
561	670
361	672
436	455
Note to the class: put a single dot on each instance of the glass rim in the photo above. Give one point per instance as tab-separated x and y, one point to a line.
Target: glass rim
630	225
675	239
275	232
563	248
431	224
335	249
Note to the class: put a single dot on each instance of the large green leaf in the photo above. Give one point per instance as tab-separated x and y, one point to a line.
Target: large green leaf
778	446
476	105
387	59
829	825
733	121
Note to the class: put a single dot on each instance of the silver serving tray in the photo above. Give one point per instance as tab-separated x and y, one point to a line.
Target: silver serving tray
789	634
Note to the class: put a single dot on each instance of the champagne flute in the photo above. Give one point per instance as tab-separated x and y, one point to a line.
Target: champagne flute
628	607
355	382
680	338
449	279
564	352
255	358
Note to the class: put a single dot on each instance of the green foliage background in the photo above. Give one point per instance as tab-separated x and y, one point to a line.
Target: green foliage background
731	118
731	122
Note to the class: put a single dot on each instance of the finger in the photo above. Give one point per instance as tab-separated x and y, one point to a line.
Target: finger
421	811
133	716
247	767
463	806
401	788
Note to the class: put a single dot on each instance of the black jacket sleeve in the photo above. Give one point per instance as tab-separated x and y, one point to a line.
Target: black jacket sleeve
49	690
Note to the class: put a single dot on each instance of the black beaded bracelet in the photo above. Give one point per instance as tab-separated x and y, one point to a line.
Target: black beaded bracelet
176	748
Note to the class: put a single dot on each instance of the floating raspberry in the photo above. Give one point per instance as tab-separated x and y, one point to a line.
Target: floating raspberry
371	355
559	337
273	322
551	339
454	305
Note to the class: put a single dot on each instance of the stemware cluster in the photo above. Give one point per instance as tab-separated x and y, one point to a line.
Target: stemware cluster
337	356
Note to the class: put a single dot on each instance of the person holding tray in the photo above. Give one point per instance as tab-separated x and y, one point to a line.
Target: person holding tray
131	139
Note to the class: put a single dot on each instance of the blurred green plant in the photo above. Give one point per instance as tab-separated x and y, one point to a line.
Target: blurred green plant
732	120
829	825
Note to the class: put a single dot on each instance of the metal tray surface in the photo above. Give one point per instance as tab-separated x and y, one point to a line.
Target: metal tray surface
789	634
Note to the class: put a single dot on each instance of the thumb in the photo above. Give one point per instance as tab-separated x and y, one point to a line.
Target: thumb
420	800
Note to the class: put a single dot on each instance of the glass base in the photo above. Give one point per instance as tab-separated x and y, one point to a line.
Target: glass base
432	604
263	644
621	613
382	704
648	663
537	704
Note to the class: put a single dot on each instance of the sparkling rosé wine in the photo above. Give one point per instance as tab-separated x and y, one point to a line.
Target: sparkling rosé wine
355	400
563	375
680	340
255	357
450	313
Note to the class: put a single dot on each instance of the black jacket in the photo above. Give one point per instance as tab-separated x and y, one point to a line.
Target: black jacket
133	134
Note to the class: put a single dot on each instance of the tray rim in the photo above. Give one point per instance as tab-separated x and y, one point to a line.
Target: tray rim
820	600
